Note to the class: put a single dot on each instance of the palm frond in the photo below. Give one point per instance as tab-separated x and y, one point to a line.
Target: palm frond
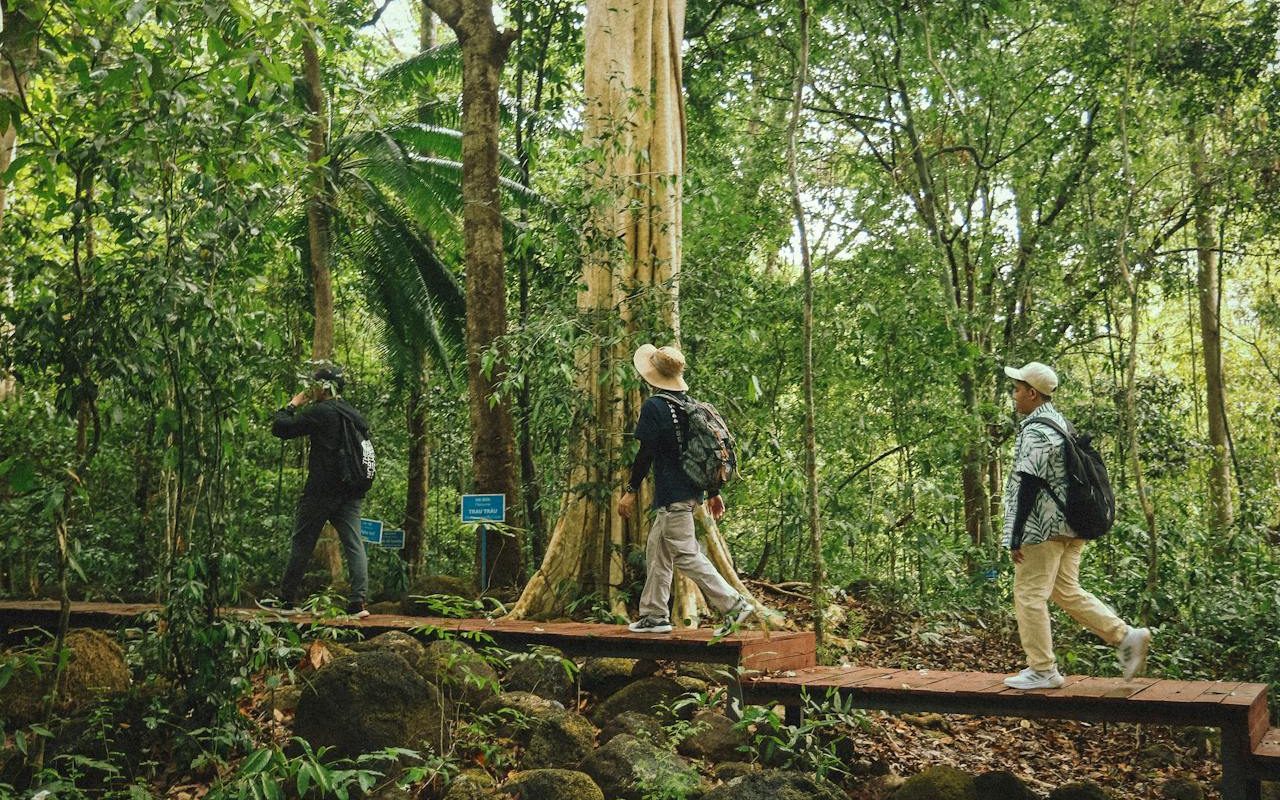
430	67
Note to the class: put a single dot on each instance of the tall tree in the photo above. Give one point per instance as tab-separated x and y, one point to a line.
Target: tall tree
635	124
484	49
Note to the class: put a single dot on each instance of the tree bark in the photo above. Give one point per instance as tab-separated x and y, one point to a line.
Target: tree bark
484	49
1211	333
418	478
319	244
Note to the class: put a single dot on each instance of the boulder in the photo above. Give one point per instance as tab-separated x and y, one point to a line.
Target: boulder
937	783
1081	790
397	642
1159	755
552	784
461	673
776	784
472	784
692	685
645	696
561	740
641	726
716	739
391	607
527	707
543	673
285	698
95	668
729	770
710	674
1181	789
1001	785
605	676
368	701
427	585
628	768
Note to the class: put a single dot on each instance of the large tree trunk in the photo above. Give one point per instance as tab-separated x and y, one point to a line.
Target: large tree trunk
319	203
1211	334
634	118
484	49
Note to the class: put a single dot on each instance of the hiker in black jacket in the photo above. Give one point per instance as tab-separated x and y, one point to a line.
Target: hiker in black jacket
318	412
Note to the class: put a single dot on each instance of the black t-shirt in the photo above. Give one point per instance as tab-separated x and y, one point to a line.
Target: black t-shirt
323	423
656	431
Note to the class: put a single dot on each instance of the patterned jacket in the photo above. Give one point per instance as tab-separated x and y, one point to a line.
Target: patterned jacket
1038	450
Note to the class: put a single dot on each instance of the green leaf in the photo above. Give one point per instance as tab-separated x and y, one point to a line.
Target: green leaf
256	761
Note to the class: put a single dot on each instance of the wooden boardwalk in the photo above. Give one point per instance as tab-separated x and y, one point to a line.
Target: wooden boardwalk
753	650
1250	751
783	671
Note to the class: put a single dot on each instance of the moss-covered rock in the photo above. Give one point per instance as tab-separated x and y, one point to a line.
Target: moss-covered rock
645	696
400	643
717	738
368	701
542	673
1001	785
552	784
1159	755
1271	790
710	674
461	673
515	713
1181	789
391	607
426	585
1081	790
472	784
776	784
605	676
937	783
561	740
95	668
641	726
729	770
628	768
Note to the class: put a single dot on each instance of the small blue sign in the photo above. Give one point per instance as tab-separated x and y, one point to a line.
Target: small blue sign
393	539
371	530
484	508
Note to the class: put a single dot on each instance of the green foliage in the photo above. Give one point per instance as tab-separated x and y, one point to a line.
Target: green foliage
810	746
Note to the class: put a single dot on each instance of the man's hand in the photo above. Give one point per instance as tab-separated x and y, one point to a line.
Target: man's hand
627	505
1017	556
715	505
300	399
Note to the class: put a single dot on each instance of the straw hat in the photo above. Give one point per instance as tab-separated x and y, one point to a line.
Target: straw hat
662	367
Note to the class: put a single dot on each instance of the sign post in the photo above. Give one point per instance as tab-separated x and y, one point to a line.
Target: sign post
371	531
484	508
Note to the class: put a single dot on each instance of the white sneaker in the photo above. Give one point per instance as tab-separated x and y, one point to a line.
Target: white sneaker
648	624
735	616
1035	679
1132	652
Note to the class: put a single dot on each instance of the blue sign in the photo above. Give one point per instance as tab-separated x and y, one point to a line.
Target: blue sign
484	508
371	530
393	539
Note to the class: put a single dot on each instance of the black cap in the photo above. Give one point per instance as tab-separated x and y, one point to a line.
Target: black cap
332	373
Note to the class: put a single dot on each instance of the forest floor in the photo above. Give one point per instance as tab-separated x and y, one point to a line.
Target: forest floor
1132	761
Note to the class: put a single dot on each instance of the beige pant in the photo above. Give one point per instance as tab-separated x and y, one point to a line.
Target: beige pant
672	545
1051	570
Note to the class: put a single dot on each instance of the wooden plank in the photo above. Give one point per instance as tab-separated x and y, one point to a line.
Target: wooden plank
1168	691
1268	749
908	680
966	683
1217	692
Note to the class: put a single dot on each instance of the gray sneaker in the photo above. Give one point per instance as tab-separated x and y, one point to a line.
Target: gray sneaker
735	616
648	624
1133	650
277	606
1035	679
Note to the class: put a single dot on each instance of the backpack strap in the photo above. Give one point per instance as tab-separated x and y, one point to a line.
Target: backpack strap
1068	442
673	403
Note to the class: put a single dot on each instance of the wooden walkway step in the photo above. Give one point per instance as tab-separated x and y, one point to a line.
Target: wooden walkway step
1240	710
753	650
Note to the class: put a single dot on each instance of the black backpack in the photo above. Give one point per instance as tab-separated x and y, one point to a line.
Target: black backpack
357	462
706	447
1090	504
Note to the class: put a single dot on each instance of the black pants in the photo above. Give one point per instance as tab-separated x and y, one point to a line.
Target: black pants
313	512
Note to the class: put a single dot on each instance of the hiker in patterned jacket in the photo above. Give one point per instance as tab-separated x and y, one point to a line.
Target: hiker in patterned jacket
672	543
1046	552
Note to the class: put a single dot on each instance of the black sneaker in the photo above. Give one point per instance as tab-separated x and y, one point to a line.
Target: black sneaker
357	610
648	624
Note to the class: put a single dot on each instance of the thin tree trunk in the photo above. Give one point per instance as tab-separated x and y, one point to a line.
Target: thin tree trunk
415	503
319	245
1211	335
817	563
1135	310
484	49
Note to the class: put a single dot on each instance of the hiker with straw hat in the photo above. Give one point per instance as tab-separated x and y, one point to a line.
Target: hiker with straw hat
672	544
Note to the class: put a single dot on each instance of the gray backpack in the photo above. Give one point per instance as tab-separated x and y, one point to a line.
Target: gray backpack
706	446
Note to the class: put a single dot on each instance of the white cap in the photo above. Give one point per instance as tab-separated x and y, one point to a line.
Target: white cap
1035	375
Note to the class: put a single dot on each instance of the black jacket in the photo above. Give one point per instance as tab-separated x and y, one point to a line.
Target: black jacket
322	421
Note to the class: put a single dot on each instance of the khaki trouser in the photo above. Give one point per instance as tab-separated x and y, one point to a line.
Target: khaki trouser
672	544
1051	570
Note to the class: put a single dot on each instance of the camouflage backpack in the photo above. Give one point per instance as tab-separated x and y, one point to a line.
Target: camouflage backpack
706	446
